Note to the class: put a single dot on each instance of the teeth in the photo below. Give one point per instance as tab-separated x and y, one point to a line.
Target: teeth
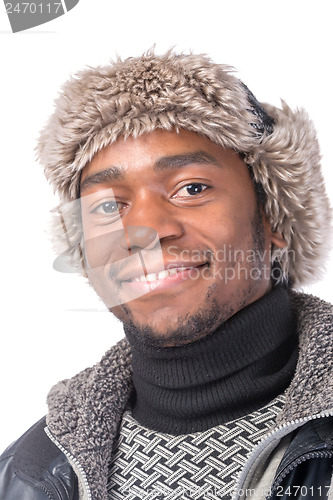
159	276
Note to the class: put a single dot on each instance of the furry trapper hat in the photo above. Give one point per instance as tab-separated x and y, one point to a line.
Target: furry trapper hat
172	92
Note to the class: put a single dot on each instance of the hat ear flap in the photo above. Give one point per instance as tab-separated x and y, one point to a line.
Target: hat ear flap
67	238
287	164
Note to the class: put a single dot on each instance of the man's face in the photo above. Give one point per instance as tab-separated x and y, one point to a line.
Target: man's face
172	227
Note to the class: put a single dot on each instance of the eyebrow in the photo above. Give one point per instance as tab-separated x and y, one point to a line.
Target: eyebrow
165	163
108	175
181	160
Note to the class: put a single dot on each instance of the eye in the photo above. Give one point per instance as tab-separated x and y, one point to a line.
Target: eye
108	207
111	207
191	190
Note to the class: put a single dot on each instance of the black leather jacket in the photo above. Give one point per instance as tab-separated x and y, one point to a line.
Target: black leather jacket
34	468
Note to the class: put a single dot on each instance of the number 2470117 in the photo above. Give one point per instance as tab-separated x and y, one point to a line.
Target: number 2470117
33	8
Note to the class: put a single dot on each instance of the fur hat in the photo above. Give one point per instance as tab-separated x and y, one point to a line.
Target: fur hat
172	92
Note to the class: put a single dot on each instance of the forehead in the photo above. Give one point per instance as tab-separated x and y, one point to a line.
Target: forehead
158	151
148	148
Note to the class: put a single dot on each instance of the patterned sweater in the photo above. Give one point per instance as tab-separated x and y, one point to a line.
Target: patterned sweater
201	465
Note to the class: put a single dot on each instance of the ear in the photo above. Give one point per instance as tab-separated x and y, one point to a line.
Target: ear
275	237
278	240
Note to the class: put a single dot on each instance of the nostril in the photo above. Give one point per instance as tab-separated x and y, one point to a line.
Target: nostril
141	236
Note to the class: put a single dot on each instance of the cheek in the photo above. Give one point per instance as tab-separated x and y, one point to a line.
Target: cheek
224	227
97	250
103	245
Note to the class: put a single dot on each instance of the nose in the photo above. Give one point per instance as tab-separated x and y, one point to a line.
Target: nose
148	224
139	237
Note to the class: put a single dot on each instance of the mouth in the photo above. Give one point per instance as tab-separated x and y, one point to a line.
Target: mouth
140	284
161	275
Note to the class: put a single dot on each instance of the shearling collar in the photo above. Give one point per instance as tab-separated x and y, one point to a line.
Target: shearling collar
85	411
311	390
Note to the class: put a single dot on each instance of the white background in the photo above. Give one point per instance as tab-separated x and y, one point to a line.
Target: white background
52	325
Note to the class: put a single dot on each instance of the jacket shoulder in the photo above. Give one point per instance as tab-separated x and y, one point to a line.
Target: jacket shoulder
34	468
307	463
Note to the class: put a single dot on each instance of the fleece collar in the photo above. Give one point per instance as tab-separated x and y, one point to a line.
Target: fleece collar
85	411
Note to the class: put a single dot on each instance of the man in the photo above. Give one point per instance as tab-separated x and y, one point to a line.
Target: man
194	211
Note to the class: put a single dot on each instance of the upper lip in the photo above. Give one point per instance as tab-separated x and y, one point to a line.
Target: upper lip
131	272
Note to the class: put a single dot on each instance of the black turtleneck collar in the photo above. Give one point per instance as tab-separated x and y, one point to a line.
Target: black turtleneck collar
234	371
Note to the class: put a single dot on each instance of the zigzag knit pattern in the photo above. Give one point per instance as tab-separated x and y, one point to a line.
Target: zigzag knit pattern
203	465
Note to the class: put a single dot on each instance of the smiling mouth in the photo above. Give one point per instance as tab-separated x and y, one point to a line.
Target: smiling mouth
161	275
166	274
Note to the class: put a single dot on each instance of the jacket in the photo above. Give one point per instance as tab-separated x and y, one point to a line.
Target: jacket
66	455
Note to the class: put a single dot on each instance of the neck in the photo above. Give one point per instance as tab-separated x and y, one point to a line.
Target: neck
237	369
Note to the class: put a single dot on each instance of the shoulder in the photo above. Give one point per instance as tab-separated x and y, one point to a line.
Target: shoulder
314	320
298	470
311	308
31	467
311	390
